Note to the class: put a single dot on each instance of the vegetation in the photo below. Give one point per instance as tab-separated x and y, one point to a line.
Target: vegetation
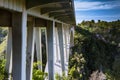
76	66
3	46
3	73
96	50
61	77
99	44
3	37
38	74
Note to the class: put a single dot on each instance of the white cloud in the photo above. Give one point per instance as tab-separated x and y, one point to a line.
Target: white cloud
79	5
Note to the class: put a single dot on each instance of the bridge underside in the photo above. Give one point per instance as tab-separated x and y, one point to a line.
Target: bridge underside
38	30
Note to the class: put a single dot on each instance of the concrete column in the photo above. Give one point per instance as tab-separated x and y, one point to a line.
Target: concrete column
38	46
46	44
46	67
68	43
19	37
50	41
9	53
57	45
30	50
71	39
65	41
61	45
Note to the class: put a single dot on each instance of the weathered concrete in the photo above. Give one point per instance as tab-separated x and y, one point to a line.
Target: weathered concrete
71	39
60	35
50	41
38	46
30	50
57	57
57	51
19	37
9	53
5	18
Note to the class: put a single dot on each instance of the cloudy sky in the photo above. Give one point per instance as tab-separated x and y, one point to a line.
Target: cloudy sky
107	10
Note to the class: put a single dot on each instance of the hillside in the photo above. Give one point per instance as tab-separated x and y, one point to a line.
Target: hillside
99	43
3	40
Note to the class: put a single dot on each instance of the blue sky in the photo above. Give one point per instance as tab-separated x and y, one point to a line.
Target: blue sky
107	10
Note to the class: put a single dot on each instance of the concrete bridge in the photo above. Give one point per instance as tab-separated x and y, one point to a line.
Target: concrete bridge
26	20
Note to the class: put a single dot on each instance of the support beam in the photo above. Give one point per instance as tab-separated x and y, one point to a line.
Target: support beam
60	35
53	14
61	15
32	3
40	22
68	42
38	46
9	53
63	19
71	39
30	50
50	41
54	9
65	43
5	18
57	46
19	37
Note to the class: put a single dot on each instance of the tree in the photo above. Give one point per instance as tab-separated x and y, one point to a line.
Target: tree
99	45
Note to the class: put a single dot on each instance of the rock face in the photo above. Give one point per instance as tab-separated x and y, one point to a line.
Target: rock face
97	75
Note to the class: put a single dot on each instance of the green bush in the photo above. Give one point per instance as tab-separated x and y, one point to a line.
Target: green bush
3	73
76	66
38	74
62	77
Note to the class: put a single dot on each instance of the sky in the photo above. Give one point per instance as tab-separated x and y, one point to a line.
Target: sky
106	10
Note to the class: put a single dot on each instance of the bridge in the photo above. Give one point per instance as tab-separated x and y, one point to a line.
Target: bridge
28	21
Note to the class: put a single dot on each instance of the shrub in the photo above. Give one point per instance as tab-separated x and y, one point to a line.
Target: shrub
3	73
38	74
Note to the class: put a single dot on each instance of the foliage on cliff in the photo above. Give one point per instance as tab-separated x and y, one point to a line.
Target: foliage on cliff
99	43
